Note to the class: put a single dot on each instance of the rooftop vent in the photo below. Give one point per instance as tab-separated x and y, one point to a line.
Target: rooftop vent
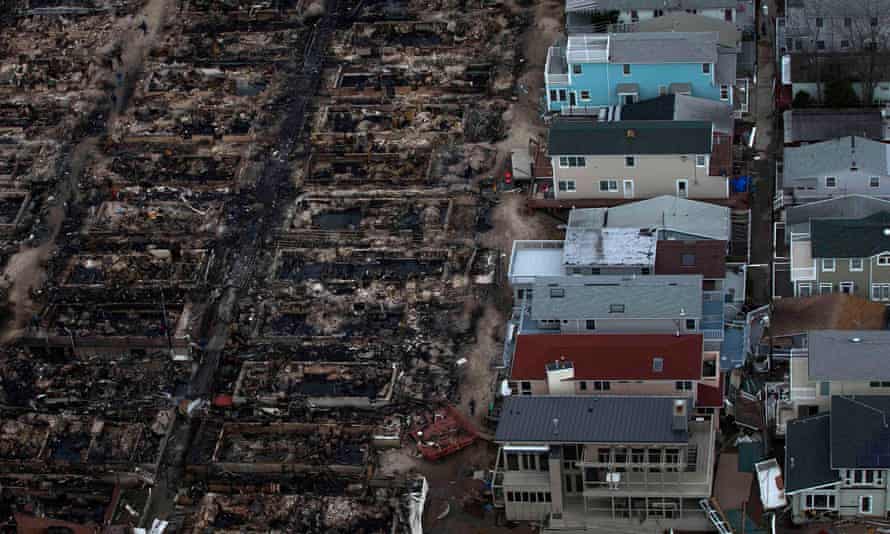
630	133
886	232
855	340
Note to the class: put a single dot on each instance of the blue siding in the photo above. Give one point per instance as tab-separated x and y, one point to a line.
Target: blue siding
602	79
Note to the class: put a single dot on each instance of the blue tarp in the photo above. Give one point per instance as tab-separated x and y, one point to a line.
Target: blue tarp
740	184
732	351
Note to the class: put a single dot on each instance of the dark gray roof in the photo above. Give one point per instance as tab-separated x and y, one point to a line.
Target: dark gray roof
845	207
572	137
813	125
642	297
663	47
849	354
860	436
681	108
727	63
589	419
850	238
807	454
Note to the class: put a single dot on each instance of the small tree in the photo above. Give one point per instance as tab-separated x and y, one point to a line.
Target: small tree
802	99
840	94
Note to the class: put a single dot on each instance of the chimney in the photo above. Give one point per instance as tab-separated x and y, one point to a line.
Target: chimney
681	417
560	377
556	426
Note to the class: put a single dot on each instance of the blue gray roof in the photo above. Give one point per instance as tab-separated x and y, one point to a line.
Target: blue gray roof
860	436
589	419
858	355
667	212
807	454
829	158
663	47
642	297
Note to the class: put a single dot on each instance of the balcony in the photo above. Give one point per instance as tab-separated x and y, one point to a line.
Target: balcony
533	258
803	266
557	69
712	315
601	480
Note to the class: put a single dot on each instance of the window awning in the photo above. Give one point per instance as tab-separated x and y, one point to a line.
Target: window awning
627	89
680	88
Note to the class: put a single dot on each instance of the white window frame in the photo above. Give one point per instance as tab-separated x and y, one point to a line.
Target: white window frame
825	265
582	97
834	178
874	181
577	67
880	292
701	160
800	288
871	504
570	186
609	188
857	269
686	187
847	287
572	162
626	70
724	88
883	260
823	286
706	68
633	162
809	501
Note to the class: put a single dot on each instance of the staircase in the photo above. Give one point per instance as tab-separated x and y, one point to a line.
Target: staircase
715	515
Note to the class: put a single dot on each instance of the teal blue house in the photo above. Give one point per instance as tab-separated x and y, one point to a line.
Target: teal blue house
588	72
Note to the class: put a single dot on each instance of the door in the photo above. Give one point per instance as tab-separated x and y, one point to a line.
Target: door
628	189
572	99
683	188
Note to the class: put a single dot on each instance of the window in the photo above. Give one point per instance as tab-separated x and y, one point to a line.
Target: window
701	160
824	388
567	186
557	292
512	462
848	22
819	501
798	44
687	260
585	95
789	43
602	385
610	186
634	15
591	324
706	68
620	455
616	308
657	364
828	265
626	69
724	92
727	15
865	504
562	95
847	288
638	456
662	90
880	291
630	161
683	188
576	68
690	324
884	260
658	13
554	96
830	181
572	161
845	43
874	181
818	22
804	289
683	385
825	288
582	385
874	21
820	45
509	496
672	456
654	456
855	264
879	384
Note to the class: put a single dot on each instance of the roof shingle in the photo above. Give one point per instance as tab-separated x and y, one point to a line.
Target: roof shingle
706	257
585	138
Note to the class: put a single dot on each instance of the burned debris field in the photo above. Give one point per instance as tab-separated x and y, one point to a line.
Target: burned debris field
242	255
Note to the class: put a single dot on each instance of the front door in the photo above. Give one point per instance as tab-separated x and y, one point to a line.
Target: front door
572	101
628	189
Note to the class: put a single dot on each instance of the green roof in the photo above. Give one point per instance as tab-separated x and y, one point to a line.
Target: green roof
587	138
851	238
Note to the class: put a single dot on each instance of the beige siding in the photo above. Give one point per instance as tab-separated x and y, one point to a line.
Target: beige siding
842	273
652	176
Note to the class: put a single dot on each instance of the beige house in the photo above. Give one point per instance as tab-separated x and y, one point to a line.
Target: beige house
623	160
849	256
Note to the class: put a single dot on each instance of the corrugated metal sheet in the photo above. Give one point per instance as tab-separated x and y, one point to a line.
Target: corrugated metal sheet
589	419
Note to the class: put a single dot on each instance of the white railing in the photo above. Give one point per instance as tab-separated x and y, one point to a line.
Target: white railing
712	333
805	393
803	273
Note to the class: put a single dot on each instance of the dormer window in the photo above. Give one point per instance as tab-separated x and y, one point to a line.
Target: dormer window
657	364
557	292
688	260
616	308
831	181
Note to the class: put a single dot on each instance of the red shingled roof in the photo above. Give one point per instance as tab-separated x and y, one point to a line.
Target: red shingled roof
609	356
709	397
709	257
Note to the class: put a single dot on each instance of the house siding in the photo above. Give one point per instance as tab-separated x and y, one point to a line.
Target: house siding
842	273
602	80
653	175
648	326
848	183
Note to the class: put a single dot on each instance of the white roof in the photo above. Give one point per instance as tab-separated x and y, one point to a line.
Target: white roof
536	258
681	215
609	246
